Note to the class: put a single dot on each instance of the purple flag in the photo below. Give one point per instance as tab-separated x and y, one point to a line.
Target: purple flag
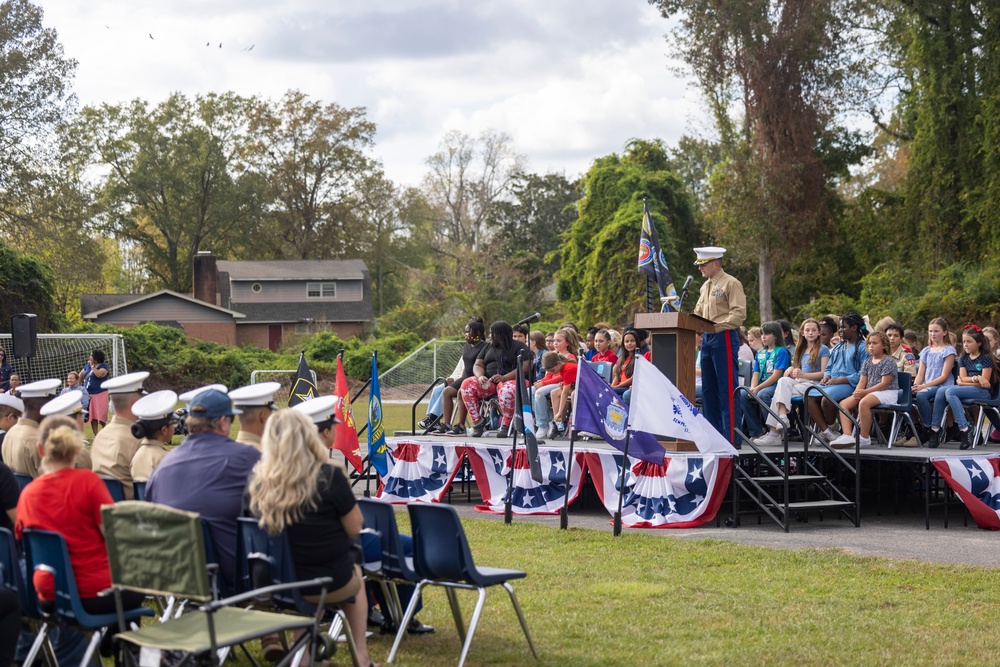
599	410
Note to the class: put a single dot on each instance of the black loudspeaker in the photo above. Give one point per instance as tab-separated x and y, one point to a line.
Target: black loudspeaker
24	332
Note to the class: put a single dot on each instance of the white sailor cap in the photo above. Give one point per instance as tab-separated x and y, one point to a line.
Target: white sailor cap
158	405
130	383
188	396
321	409
707	254
40	389
255	395
12	402
64	405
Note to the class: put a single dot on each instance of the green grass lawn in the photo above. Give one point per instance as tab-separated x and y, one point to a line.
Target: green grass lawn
643	599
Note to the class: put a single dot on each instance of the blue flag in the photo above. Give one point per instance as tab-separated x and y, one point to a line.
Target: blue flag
653	262
599	410
376	434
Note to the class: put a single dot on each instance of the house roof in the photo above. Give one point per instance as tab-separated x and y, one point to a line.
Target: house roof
294	269
94	302
138	298
329	311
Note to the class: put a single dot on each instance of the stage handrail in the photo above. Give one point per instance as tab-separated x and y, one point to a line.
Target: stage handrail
413	412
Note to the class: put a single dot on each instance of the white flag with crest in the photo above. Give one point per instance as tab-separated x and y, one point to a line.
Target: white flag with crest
658	407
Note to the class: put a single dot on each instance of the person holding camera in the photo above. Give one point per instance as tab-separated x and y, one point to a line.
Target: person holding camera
154	427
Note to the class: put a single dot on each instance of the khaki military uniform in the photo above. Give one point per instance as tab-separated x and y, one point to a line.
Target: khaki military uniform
83	460
150	453
112	452
20	447
248	438
723	301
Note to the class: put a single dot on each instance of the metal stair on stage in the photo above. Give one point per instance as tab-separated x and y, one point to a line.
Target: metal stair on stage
792	483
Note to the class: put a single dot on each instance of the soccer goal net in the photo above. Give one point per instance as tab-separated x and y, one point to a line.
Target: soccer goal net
405	381
58	354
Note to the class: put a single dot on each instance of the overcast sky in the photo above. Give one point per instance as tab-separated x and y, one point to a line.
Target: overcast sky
569	80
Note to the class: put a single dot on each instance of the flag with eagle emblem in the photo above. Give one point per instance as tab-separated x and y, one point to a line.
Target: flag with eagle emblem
347	429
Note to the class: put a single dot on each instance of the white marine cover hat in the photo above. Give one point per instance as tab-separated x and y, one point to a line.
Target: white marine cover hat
64	405
255	395
130	383
321	409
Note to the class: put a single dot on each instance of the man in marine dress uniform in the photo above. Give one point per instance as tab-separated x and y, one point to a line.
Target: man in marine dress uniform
114	446
257	403
11	409
20	447
722	301
70	405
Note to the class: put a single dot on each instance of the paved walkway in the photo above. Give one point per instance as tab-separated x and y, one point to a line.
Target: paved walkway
893	536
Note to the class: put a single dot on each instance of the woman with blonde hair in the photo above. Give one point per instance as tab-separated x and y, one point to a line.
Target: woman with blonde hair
296	488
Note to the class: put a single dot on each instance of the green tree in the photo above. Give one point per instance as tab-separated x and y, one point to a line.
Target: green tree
468	177
26	286
35	95
781	65
527	231
314	158
599	278
176	179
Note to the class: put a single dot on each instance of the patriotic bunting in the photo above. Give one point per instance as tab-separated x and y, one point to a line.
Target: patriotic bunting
976	481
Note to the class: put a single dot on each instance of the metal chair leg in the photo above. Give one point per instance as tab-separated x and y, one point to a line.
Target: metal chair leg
472	626
411	609
456	612
95	641
520	617
348	634
36	646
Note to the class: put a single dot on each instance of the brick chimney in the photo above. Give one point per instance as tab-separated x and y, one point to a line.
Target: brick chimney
205	277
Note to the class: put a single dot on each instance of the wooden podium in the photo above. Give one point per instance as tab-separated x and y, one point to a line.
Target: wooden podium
671	341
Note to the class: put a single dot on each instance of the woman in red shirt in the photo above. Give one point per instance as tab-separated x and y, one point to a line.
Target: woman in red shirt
68	501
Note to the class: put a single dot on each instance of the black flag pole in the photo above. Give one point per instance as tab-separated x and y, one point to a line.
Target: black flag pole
621	486
564	513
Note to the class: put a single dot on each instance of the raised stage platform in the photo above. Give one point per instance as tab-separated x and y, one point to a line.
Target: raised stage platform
687	491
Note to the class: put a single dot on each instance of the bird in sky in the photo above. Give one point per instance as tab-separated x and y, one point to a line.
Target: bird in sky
220	45
208	43
250	48
151	35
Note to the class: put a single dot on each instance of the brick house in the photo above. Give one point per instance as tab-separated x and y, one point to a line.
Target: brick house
250	302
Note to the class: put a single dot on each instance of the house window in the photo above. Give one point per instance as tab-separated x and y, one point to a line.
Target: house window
321	290
256	288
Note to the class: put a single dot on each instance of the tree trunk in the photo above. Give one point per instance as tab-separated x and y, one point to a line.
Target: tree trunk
764	280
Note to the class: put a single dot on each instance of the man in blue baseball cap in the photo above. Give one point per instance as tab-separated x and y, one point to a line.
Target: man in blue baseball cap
207	473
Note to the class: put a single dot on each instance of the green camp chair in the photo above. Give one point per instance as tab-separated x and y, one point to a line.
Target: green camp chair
158	550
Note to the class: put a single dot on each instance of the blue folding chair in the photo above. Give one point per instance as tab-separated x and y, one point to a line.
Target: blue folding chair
441	557
115	488
45	550
12	579
139	490
990	405
22	479
394	568
267	561
901	411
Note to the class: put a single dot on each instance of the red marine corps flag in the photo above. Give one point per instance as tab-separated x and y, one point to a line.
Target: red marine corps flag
347	430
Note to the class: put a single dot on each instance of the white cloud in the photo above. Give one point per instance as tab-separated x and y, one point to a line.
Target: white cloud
569	80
